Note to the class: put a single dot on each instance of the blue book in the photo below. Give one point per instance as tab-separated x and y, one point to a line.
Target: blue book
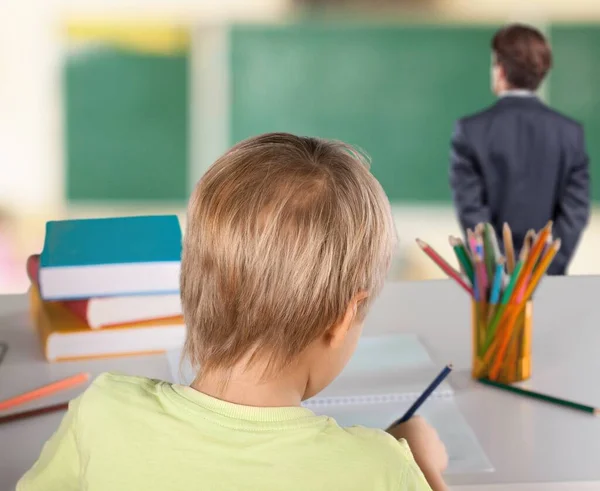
110	257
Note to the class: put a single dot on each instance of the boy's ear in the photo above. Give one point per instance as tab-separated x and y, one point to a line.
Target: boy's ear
336	334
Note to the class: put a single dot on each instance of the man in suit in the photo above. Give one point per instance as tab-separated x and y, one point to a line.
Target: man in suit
519	161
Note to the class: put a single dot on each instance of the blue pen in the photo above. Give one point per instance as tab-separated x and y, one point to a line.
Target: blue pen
423	397
497	285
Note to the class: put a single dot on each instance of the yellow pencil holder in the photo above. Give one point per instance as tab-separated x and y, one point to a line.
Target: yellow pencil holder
501	337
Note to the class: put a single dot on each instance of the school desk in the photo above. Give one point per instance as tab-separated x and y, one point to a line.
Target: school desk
533	446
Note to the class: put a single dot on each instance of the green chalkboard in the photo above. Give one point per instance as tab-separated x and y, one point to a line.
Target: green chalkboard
575	84
126	126
395	91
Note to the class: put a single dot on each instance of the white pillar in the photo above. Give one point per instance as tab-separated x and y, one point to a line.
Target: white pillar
209	88
31	175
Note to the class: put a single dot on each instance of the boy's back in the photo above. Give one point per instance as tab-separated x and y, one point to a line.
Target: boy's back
129	433
288	242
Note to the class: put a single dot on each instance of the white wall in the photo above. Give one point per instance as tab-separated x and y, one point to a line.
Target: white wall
30	138
502	10
435	224
31	150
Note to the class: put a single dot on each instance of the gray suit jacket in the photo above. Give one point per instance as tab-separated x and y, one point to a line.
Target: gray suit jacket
522	163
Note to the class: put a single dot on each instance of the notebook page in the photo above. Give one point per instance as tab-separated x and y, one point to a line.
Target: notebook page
390	368
464	451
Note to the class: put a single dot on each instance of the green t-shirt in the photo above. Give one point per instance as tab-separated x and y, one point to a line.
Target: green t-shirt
130	433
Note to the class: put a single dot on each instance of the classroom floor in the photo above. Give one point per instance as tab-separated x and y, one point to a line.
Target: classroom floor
24	235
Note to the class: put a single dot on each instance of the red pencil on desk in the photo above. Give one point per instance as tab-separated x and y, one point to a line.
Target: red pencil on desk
45	391
441	262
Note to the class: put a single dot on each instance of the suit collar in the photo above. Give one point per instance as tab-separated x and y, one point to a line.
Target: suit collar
519	100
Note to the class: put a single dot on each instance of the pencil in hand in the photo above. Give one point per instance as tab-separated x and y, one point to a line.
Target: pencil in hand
425	395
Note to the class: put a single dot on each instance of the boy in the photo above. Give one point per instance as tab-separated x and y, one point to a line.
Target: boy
519	161
288	242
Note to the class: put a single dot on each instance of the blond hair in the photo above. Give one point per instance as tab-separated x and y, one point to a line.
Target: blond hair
282	232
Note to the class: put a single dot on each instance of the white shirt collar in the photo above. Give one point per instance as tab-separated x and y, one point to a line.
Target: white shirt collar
517	93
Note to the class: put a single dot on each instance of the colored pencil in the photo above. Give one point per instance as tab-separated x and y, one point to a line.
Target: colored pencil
497	284
530	238
480	246
524	251
63	406
463	257
543	266
547	246
516	310
480	325
531	259
509	250
495	244
489	237
472	241
516	344
511	284
481	279
458	254
496	288
491	313
425	395
501	287
521	281
45	391
521	293
444	266
500	311
549	242
542	397
476	295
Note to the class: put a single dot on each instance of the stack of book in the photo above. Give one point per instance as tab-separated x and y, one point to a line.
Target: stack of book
108	287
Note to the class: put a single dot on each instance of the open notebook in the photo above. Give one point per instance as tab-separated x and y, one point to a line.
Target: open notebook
393	368
384	377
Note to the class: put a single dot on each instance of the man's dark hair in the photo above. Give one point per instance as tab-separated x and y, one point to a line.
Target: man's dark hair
524	54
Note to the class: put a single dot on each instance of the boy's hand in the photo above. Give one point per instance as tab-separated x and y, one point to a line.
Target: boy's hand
425	444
